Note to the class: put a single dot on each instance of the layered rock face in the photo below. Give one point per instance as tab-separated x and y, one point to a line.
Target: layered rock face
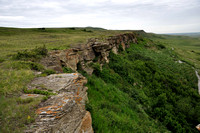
64	112
86	54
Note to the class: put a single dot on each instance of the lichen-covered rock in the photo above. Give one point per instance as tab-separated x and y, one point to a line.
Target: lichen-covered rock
198	127
64	112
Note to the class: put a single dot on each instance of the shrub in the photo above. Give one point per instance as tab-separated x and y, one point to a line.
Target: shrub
67	70
72	28
85	30
48	72
2	60
32	55
161	46
42	29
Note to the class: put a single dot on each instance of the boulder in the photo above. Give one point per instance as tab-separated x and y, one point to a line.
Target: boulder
65	111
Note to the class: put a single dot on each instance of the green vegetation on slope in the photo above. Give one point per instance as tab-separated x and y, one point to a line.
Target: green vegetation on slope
187	48
144	89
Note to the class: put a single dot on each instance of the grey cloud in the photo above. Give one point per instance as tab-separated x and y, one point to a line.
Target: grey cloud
132	15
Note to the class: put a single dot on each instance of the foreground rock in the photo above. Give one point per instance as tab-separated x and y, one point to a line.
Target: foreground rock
65	111
83	56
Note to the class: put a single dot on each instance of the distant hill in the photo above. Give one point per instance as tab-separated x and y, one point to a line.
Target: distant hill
192	34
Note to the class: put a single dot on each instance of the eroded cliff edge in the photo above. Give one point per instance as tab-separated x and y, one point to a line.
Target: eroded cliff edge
94	51
65	111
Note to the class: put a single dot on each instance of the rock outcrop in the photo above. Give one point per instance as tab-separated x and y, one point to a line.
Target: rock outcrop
64	112
86	54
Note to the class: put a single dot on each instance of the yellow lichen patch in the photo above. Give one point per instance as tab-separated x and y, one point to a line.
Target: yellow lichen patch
75	79
51	112
78	99
40	110
31	95
78	89
57	117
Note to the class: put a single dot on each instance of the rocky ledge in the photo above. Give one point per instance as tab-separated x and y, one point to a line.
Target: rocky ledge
64	111
83	56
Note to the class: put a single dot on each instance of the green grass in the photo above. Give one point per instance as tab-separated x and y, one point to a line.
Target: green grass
15	113
115	111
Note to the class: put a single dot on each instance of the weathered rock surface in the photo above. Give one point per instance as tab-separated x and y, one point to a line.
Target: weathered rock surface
64	112
87	53
25	96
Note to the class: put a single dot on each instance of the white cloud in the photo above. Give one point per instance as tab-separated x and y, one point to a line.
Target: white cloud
11	18
150	15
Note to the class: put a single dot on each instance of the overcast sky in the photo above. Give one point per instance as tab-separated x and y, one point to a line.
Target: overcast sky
158	16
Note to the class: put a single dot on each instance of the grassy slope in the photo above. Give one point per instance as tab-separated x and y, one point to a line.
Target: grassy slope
111	102
188	48
144	89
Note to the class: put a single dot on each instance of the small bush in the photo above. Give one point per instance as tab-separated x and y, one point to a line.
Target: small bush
49	72
120	49
45	98
1	60
72	28
42	29
85	30
35	66
161	46
67	70
32	55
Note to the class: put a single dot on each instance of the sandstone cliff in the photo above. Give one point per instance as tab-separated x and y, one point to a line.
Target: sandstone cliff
93	51
65	111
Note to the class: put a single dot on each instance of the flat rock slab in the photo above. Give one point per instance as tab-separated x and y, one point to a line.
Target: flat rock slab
64	112
25	96
54	82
